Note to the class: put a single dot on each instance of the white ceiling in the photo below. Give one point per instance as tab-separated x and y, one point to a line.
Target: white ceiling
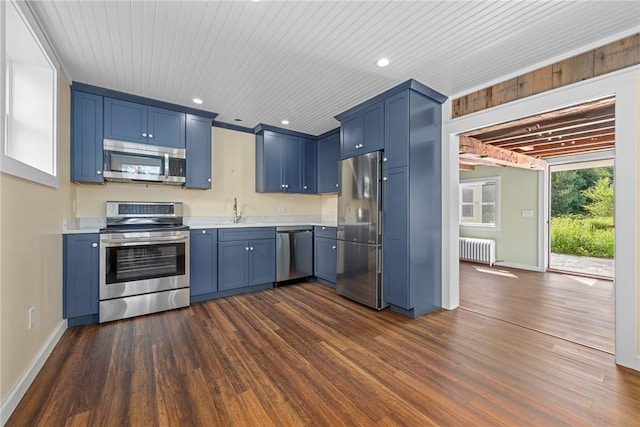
308	61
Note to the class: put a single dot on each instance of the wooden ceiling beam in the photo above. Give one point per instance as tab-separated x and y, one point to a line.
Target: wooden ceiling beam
525	132
471	148
466	166
605	134
574	149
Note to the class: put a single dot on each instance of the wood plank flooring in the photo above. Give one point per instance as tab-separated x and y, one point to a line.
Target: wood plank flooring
578	309
301	355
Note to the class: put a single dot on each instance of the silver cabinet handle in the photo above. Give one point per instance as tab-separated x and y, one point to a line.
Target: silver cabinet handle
305	187
286	186
144	135
98	172
324	228
247	248
150	135
209	180
251	248
336	185
333	247
384	178
384	159
204	231
282	186
94	245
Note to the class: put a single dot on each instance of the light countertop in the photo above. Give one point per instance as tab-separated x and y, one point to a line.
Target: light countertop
93	225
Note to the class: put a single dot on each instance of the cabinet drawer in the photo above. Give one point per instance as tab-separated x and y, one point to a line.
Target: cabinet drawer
324	231
227	234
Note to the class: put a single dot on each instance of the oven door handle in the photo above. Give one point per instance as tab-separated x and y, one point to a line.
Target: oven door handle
147	240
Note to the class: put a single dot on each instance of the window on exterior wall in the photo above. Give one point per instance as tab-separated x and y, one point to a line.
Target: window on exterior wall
479	202
30	100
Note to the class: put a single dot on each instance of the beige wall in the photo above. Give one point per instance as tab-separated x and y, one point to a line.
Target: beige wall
517	239
31	263
233	176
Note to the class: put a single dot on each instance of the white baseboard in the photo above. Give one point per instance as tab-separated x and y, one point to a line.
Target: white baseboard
11	402
519	266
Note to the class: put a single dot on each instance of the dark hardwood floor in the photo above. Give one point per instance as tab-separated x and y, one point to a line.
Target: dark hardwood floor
301	355
578	309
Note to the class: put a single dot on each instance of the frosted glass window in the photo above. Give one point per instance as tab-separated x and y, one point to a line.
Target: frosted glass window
30	106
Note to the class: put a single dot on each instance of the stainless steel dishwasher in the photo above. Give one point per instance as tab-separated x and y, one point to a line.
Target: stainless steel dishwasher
294	252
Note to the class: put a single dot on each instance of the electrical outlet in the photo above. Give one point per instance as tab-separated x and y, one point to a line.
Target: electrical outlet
282	208
32	317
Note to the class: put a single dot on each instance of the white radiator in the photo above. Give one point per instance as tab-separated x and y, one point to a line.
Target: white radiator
479	250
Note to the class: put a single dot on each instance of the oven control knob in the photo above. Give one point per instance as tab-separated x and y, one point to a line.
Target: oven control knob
94	245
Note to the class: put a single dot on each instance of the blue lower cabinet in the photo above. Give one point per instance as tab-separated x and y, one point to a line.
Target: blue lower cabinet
203	261
233	265
81	253
246	257
262	261
325	259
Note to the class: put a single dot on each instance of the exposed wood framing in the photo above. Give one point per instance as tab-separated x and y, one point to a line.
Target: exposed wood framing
611	57
471	148
467	166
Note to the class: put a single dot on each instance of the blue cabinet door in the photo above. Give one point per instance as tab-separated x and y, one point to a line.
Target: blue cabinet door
396	244
125	121
351	135
81	254
86	138
272	162
203	261
166	127
372	128
328	161
325	265
198	145
309	163
262	261
292	164
396	141
233	265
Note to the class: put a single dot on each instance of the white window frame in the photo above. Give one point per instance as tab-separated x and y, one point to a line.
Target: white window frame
465	182
9	164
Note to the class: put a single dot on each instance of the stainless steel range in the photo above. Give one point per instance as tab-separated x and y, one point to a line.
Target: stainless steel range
144	259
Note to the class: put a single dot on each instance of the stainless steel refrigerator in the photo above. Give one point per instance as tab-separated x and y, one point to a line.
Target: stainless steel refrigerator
359	230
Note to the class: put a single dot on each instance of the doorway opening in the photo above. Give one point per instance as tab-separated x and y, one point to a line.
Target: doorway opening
519	289
581	222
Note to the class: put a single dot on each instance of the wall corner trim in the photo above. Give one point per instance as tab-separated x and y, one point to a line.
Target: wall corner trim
19	390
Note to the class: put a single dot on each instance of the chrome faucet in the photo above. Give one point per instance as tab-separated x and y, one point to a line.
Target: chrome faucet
236	217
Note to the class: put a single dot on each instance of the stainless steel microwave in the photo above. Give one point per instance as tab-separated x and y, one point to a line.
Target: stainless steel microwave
132	162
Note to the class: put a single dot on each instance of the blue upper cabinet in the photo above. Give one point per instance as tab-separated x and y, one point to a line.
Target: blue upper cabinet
125	121
166	127
328	159
362	131
198	145
279	162
396	148
86	137
309	162
133	122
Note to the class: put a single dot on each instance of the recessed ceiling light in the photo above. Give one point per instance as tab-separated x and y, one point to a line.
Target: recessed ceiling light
383	62
285	122
197	101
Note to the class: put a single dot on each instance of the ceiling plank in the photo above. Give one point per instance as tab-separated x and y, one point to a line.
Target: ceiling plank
471	148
